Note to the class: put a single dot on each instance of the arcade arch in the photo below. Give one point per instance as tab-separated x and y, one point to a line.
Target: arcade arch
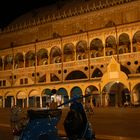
95	97
136	94
75	91
115	93
34	98
9	99
21	98
46	97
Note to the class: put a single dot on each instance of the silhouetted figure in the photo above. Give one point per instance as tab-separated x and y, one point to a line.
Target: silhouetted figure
76	121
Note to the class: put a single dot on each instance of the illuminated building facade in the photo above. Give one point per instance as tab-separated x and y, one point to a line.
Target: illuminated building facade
90	46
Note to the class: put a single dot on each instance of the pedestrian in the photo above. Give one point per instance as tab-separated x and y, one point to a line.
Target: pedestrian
53	104
89	108
94	101
47	105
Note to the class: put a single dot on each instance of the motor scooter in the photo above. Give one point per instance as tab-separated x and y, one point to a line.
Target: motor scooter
41	125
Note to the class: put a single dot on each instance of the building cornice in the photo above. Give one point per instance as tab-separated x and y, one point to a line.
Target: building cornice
71	12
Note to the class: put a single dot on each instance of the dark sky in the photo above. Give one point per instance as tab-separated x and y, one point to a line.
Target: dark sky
11	9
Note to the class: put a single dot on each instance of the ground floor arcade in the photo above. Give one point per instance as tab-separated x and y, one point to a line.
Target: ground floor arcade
114	93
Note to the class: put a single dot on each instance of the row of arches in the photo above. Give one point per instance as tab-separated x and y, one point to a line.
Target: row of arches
72	53
112	94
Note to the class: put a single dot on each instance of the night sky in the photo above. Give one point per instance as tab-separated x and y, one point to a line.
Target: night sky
11	9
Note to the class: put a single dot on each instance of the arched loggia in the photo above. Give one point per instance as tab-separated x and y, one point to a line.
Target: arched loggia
115	93
94	97
75	91
62	96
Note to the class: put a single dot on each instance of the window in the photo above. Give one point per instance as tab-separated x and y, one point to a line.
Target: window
21	81
26	81
4	82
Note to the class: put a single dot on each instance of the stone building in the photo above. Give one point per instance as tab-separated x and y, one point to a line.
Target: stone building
77	47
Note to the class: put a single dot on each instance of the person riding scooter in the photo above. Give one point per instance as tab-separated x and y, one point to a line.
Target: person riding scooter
42	123
76	124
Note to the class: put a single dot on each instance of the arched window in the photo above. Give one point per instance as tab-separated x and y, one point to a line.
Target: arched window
96	47
42	57
136	41
55	55
81	49
124	43
69	54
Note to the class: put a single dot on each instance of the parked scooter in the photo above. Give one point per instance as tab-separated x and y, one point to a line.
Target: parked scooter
42	123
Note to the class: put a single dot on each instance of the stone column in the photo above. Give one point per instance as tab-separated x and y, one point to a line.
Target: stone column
2	62
104	51
23	105
27	101
131	96
24	59
131	42
15	100
12	101
100	94
40	101
3	101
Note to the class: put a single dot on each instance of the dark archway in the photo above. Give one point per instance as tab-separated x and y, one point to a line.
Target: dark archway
42	79
138	69
75	91
125	70
136	95
97	73
74	75
115	94
63	95
46	97
54	78
94	99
